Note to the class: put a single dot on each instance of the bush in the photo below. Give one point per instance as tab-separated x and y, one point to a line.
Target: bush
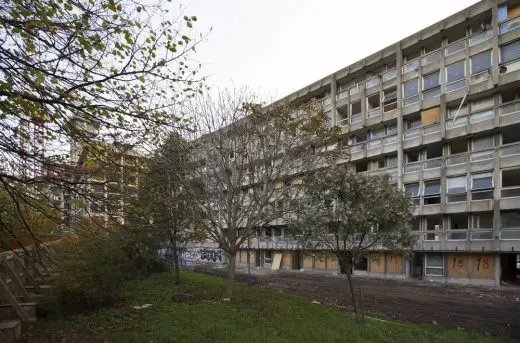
93	270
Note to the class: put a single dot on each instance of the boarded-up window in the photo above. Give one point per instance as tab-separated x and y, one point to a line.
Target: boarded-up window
394	264
377	263
458	266
431	116
483	267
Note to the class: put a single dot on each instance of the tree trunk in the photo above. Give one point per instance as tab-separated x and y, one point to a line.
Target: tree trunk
351	286
231	274
176	264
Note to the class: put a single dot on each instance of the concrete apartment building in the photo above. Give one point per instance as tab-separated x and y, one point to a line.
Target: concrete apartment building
439	111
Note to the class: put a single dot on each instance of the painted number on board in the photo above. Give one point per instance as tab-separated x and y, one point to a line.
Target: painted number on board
457	262
482	263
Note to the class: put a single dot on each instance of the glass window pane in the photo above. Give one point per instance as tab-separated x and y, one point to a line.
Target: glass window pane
510	220
434	260
482	181
510	52
481	62
483	143
412	188
456	184
431	80
411	87
432	187
455	71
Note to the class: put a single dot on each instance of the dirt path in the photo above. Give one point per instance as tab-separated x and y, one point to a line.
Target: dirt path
494	311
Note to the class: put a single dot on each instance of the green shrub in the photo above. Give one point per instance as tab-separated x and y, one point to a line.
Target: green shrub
93	270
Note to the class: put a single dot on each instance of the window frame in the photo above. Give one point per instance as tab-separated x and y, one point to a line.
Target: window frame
501	61
427	266
430	194
483	70
446	74
485	188
417	94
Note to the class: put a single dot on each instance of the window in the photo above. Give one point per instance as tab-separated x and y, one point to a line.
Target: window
482	221
413	123
510	52
434	264
456	189
411	91
481	181
431	80
510	219
412	189
481	62
456	184
455	76
390	99
391	161
432	187
452	111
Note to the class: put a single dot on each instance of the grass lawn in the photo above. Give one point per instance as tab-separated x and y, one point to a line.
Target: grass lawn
196	312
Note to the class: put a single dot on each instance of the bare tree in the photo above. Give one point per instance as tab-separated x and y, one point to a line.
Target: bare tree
248	162
351	213
74	73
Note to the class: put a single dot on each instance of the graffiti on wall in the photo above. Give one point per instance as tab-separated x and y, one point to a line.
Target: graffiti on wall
203	255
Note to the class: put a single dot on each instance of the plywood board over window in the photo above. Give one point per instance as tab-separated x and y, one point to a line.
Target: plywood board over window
307	260
431	116
458	266
286	259
319	261
394	264
483	267
377	263
332	261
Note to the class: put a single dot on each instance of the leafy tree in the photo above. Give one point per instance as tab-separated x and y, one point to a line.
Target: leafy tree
247	163
77	72
165	210
352	213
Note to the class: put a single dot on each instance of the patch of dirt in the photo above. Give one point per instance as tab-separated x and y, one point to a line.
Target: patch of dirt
487	310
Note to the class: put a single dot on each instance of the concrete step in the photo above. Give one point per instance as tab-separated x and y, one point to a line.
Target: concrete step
10	331
7	312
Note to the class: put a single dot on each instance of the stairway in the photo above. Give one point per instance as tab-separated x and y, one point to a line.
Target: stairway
21	287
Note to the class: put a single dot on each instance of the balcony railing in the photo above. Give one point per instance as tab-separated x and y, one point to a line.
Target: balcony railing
457	159
433	163
357	147
412	133
374	112
509	25
411	66
390	140
455	47
510	108
433	128
342	94
481	116
342	122
374	143
510	192
457	235
372	82
326	101
389	75
482	155
355	118
354	90
480	37
510	149
482	234
412	167
510	234
431	58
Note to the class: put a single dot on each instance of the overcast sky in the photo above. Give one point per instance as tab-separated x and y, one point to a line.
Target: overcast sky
279	46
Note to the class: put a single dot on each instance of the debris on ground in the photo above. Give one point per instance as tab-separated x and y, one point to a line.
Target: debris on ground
142	306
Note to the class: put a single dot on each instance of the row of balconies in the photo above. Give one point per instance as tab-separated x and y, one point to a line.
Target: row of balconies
461	239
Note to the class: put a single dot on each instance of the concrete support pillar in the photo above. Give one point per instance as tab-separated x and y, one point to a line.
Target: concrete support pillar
400	129
495	52
333	92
